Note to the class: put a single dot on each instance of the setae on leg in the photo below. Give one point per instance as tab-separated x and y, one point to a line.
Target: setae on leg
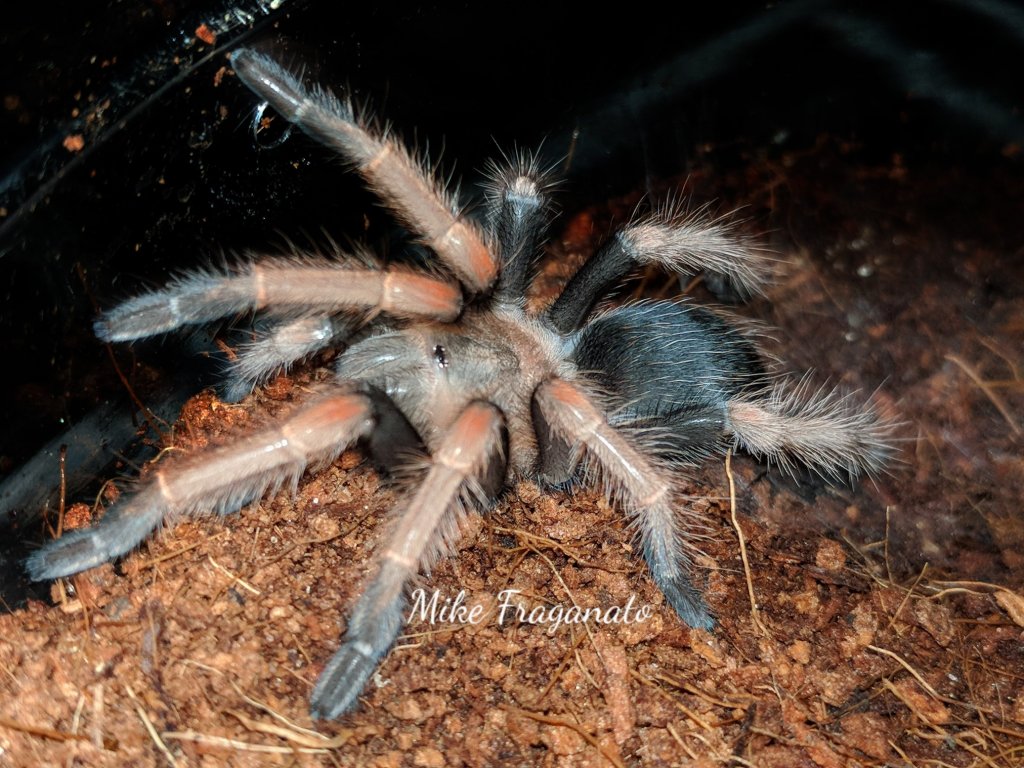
635	481
517	214
221	480
277	347
825	430
681	243
402	182
471	453
281	287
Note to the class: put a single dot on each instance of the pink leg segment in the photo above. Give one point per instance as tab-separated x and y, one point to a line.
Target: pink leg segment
220	480
430	518
642	487
402	182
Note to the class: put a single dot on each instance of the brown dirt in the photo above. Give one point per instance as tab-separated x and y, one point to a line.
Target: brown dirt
889	620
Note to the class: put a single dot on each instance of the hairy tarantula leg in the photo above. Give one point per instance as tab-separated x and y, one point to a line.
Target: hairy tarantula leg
472	450
280	287
276	348
223	480
571	417
684	244
402	183
826	430
517	207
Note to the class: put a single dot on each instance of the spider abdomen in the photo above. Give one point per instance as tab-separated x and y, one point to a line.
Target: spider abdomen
672	369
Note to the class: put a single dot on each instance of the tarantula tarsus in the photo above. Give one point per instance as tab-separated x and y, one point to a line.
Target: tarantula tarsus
445	371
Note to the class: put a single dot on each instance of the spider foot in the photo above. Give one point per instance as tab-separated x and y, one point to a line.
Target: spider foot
687	601
342	680
120	531
669	570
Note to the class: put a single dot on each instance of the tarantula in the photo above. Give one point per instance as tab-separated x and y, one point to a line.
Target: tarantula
444	372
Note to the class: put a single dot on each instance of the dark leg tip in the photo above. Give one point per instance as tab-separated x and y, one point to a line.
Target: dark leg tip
341	682
688	603
74	552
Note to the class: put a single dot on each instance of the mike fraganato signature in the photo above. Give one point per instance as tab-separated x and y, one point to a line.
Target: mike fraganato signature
432	608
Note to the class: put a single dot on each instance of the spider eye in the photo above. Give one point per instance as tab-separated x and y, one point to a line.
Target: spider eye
441	356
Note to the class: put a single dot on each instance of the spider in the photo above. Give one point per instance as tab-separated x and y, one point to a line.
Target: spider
445	376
